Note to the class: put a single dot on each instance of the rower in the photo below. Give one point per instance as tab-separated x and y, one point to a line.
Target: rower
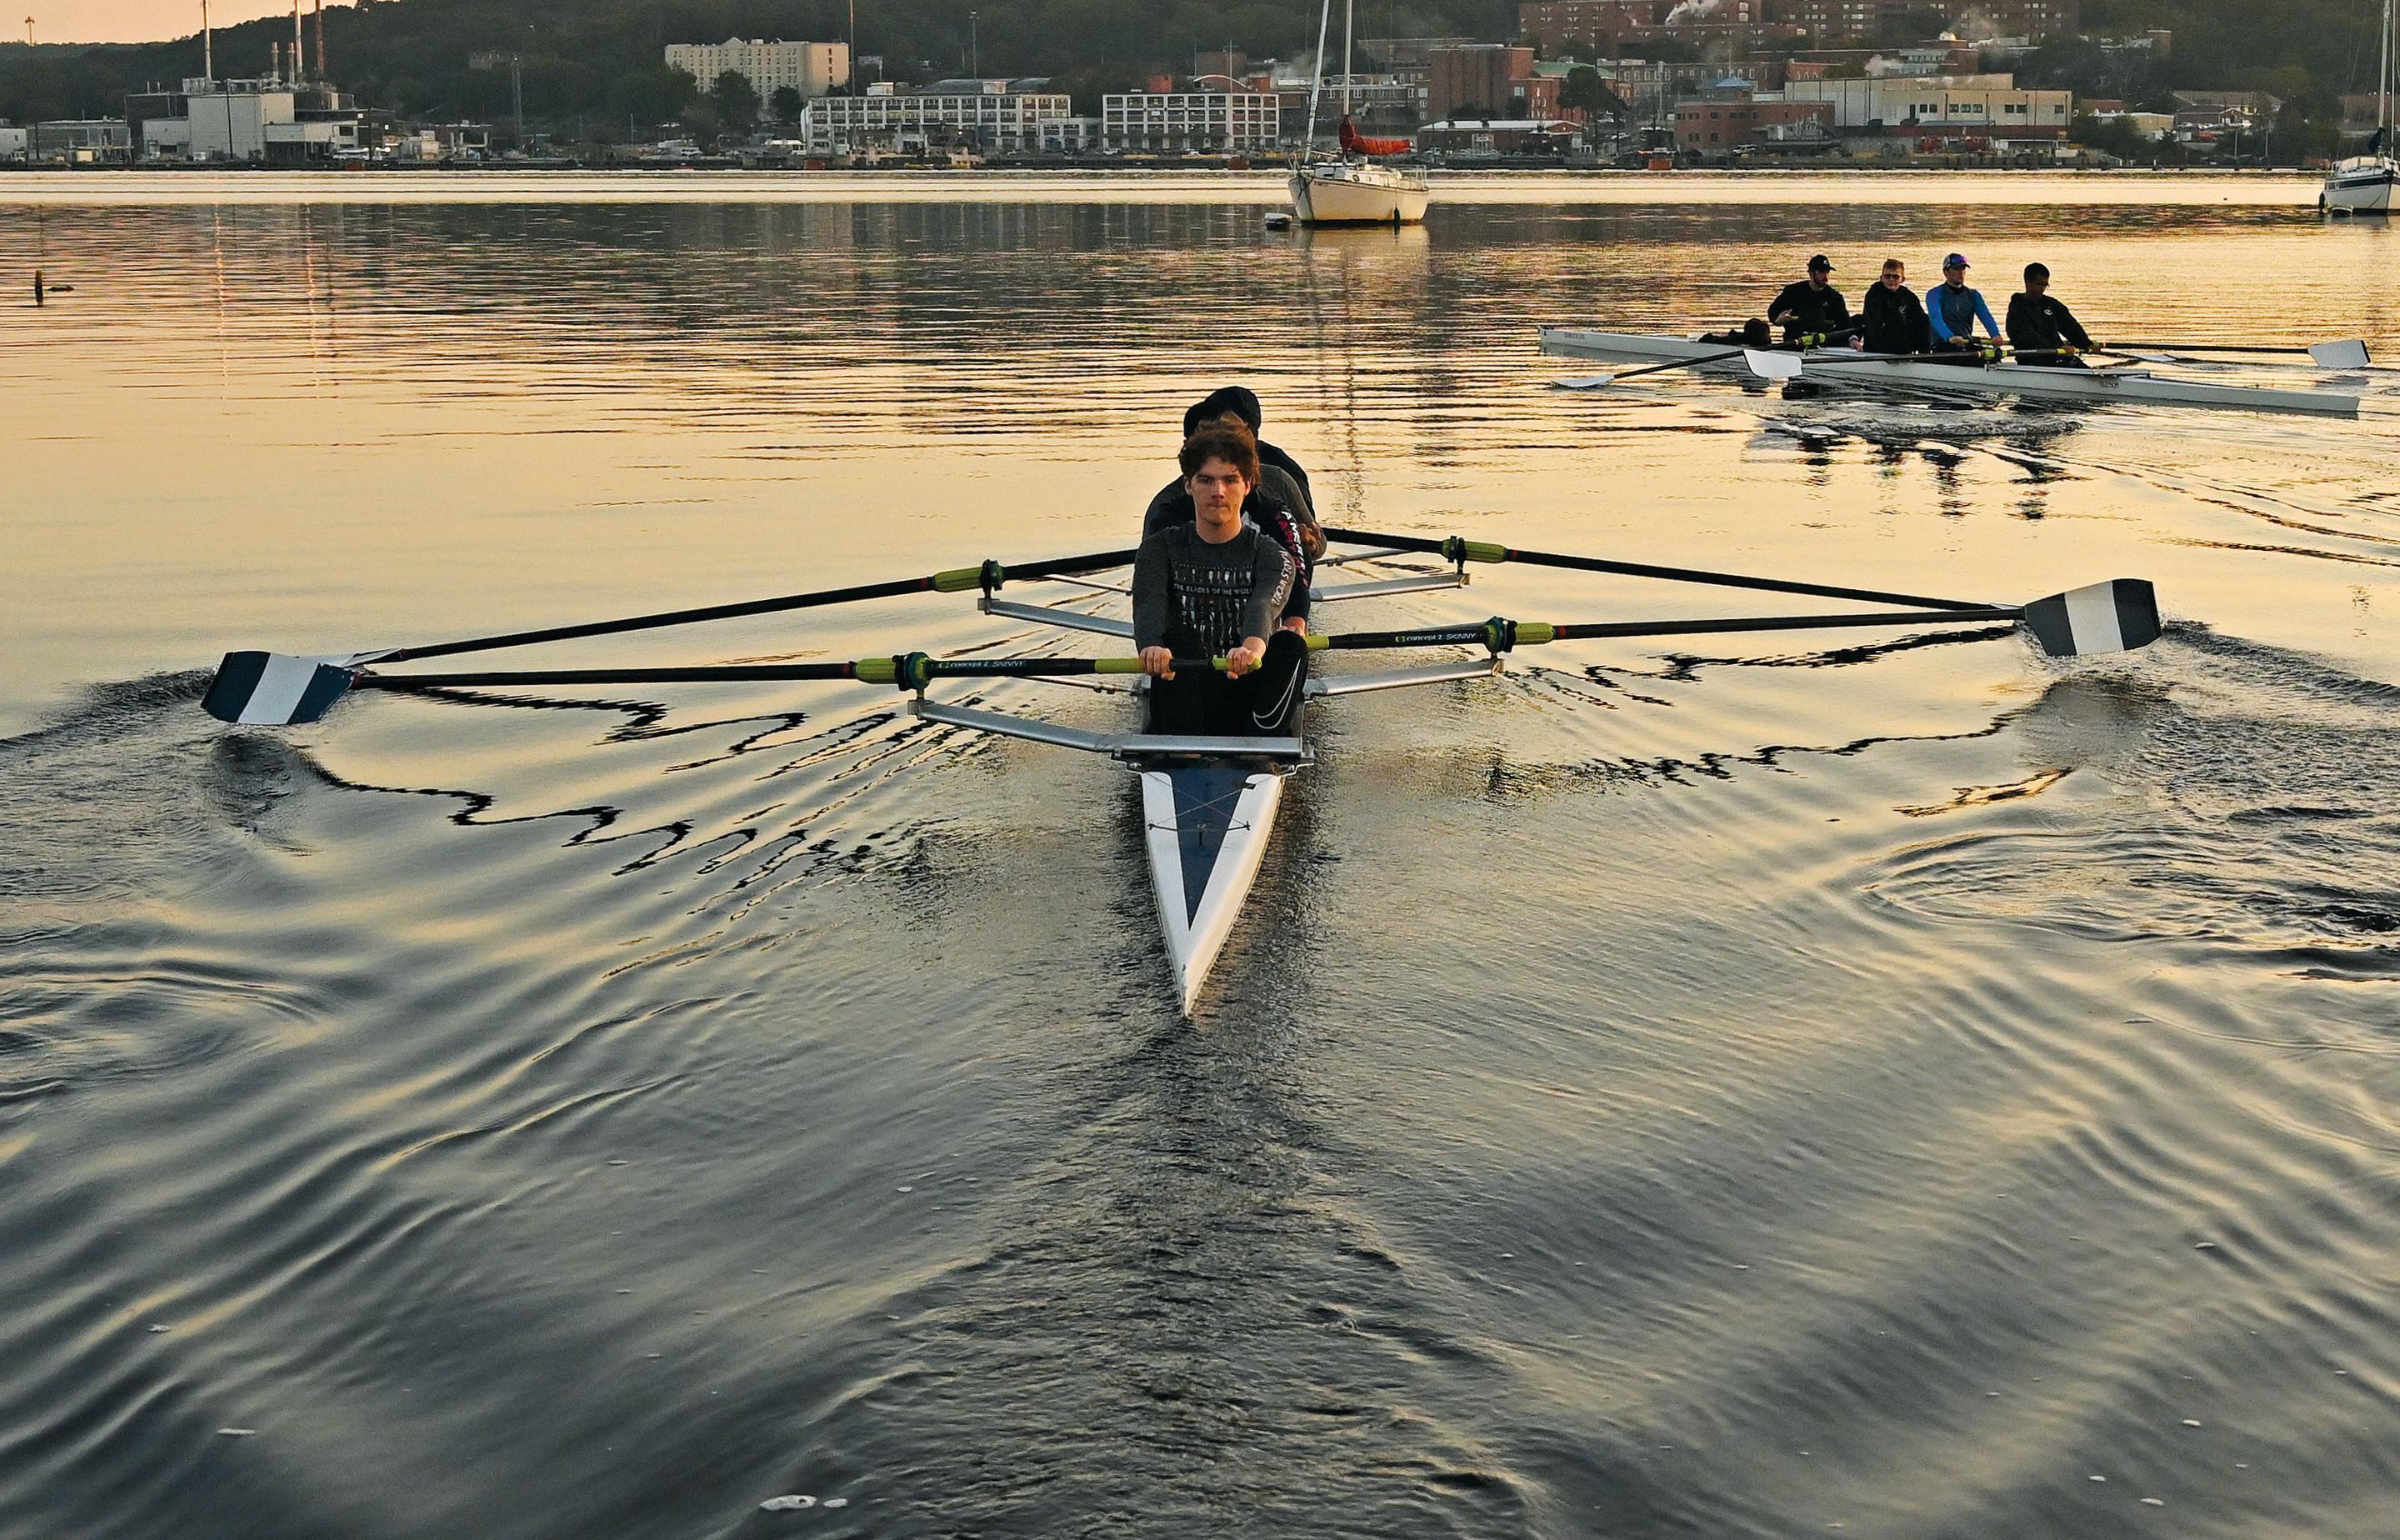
1811	311
1892	319
2042	329
1280	476
1263	509
1215	587
1953	310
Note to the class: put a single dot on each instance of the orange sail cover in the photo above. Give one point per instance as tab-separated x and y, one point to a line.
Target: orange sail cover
1355	143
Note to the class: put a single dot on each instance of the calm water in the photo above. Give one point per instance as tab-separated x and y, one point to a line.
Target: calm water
1742	1088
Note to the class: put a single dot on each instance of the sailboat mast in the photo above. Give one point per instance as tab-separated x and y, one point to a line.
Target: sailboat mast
2383	86
1349	13
1324	19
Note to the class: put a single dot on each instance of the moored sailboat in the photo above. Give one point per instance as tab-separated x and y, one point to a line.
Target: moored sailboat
2362	185
1347	186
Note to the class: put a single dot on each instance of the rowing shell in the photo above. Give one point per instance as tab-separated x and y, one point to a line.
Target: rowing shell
2008	378
1208	826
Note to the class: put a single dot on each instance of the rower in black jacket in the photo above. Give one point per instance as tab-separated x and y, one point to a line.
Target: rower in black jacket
2042	329
1811	307
1892	319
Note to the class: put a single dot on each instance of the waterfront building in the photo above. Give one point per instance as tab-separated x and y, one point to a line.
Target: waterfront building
80	141
1715	127
811	69
266	122
990	115
1488	80
1943	107
1208	121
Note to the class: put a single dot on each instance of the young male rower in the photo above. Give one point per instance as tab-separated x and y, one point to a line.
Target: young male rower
1811	306
1216	587
1952	308
1280	476
2042	329
1892	319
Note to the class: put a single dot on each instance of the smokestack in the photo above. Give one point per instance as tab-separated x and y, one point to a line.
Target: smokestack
320	41
299	65
274	61
208	45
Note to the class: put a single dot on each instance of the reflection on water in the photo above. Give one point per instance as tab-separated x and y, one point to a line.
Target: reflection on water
1715	1086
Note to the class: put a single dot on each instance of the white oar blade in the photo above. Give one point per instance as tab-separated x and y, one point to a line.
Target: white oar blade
1583	382
2112	616
273	688
1771	366
2340	355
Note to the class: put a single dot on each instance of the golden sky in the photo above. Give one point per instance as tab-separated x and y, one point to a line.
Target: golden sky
136	20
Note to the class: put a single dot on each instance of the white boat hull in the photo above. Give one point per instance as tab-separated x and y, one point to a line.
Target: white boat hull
1208	827
2359	189
2013	379
1388	199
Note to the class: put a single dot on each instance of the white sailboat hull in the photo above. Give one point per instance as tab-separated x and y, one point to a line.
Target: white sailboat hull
1370	195
1208	827
2359	188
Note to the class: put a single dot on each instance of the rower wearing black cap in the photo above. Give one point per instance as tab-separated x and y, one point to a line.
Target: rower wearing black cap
1811	307
2042	329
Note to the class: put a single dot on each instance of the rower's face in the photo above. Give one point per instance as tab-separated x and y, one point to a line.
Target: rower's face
2036	287
1816	278
1218	488
1894	277
1954	277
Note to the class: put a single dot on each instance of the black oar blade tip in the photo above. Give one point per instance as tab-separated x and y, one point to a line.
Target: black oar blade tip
273	689
2117	616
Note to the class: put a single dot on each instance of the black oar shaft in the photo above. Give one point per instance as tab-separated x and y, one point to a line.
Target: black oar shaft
957	579
2196	348
1458	550
721	674
1678	363
1783	623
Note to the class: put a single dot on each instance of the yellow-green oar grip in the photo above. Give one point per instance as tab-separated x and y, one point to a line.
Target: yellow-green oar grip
1117	665
876	670
957	579
1459	549
1535	633
1319	640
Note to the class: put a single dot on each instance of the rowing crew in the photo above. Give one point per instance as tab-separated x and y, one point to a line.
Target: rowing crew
1891	320
1227	556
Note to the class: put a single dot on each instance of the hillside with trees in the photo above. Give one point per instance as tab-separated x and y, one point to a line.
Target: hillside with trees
596	65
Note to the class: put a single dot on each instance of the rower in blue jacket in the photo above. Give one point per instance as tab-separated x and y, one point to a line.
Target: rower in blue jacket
1952	308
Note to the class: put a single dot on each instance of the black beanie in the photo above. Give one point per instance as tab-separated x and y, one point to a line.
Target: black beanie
1238	399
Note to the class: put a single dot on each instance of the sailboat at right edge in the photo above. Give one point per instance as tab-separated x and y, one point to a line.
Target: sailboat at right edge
1346	186
2363	184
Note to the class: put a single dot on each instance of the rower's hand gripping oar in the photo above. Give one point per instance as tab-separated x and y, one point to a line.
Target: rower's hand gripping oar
2110	617
1763	362
270	689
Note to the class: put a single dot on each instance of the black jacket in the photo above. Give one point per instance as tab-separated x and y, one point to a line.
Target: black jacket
1801	308
1172	509
1894	322
2044	325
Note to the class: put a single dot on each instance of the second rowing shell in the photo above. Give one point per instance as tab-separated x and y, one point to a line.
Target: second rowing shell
2017	379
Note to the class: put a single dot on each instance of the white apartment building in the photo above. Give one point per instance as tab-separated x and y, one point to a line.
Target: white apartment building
1989	106
991	119
811	69
1191	120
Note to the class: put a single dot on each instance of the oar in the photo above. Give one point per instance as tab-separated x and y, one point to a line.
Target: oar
1455	548
2117	616
1758	361
271	687
2110	617
2349	354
